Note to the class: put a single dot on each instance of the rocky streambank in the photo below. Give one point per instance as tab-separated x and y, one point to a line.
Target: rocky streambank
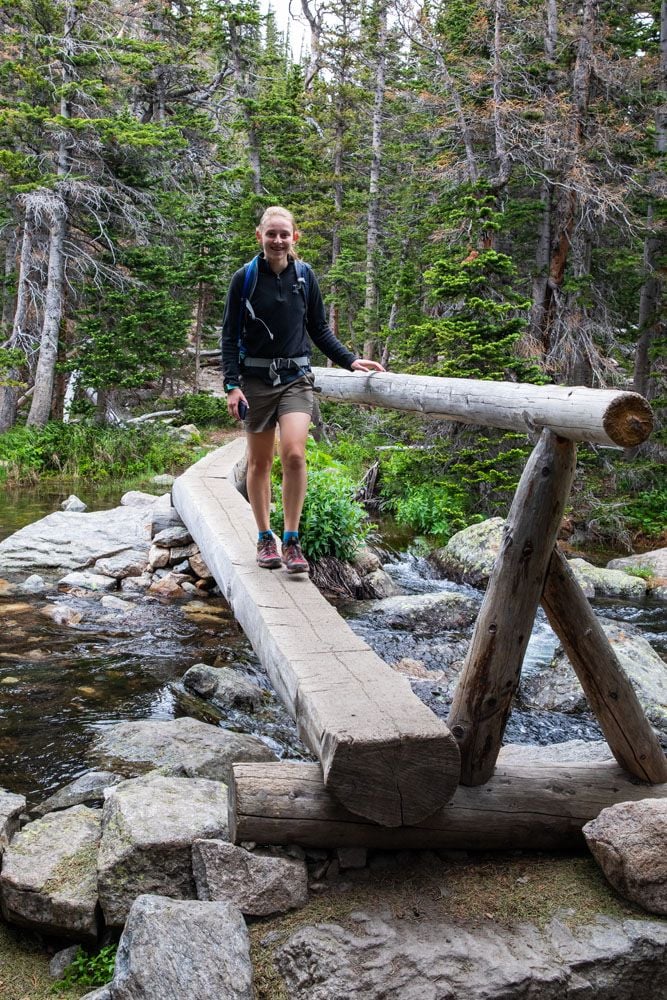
139	845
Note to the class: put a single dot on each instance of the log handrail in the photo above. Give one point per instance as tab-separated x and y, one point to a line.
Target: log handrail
611	417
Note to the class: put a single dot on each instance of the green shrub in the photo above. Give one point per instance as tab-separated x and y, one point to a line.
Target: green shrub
332	522
205	410
647	512
431	509
89	969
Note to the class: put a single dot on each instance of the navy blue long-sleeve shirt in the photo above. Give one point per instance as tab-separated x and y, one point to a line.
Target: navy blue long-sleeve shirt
284	325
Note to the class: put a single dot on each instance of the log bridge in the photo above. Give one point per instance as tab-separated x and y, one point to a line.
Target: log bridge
390	772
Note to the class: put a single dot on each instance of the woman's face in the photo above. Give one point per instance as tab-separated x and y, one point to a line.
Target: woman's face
277	237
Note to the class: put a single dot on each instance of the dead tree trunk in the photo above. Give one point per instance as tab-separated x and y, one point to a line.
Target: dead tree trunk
371	303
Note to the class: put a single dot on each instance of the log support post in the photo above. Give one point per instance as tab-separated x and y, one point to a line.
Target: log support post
492	668
610	694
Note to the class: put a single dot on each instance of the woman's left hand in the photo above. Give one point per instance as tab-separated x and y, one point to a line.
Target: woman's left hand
364	365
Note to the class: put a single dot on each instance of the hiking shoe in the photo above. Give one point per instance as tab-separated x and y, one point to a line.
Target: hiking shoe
267	553
293	557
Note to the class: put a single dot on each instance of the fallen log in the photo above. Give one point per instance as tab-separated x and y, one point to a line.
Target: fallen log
609	417
540	806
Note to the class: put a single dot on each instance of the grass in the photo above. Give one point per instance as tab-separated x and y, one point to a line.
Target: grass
24	969
508	890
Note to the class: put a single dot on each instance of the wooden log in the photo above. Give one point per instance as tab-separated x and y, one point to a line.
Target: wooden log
610	694
492	668
604	416
384	754
537	806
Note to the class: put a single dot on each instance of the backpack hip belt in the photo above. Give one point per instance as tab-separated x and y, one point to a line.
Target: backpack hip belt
276	365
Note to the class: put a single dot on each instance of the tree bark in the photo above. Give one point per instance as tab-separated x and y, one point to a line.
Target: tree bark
9	393
371	303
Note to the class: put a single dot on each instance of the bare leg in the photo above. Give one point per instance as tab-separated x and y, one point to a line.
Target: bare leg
258	478
293	436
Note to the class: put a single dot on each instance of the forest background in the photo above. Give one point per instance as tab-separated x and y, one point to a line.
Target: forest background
479	185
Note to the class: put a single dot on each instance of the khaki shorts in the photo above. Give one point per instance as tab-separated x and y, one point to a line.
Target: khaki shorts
267	403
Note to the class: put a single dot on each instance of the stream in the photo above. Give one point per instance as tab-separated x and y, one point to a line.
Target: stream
60	683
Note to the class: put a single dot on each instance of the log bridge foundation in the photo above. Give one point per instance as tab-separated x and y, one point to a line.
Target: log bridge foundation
392	774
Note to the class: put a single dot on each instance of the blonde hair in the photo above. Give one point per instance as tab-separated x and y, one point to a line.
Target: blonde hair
276	210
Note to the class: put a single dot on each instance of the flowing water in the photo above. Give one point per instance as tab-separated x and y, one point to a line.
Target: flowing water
61	683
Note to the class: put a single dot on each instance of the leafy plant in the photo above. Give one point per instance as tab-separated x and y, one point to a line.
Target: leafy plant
648	512
203	409
432	509
88	969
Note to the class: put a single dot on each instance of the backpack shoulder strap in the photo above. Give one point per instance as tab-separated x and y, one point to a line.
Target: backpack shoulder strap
303	276
249	284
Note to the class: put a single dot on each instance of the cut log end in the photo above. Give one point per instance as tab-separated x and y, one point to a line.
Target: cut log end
397	783
628	420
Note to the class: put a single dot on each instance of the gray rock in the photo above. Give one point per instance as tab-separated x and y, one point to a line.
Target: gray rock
61	614
177	553
469	555
182	567
656	561
183	746
158	557
136	584
131	562
148	826
117	604
88	581
608	582
380	585
259	884
33	584
65	541
556	687
87	790
164	479
137	498
62	961
48	879
74	504
365	561
384	956
629	842
176	534
173	950
11	807
570	751
224	687
425	614
104	993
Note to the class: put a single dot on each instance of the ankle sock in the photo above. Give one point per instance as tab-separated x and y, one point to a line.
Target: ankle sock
290	536
263	535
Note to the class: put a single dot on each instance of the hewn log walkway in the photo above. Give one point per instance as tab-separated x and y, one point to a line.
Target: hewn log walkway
384	755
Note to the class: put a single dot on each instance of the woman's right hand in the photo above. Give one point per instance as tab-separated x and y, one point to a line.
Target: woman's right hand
234	397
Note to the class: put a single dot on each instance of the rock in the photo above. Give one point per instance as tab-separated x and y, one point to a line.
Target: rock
185	433
48	879
379	585
131	562
74	504
425	614
65	541
62	961
177	553
104	993
137	498
183	746
148	826
136	584
183	567
11	807
173	950
365	561
61	614
556	687
168	586
87	790
224	687
571	751
416	668
351	857
259	884
173	536
414	959
164	517
656	561
33	584
199	567
629	842
117	604
88	581
15	609
608	582
469	555
158	557
164	479
7	589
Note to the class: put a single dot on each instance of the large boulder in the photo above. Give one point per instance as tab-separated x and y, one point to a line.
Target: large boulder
655	561
176	950
424	615
557	688
607	582
48	879
223	687
86	790
11	807
258	883
148	827
180	747
470	554
375	956
629	842
66	541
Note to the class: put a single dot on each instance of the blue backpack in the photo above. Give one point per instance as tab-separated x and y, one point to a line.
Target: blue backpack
303	273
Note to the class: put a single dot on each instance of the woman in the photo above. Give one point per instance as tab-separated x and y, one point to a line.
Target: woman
266	345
